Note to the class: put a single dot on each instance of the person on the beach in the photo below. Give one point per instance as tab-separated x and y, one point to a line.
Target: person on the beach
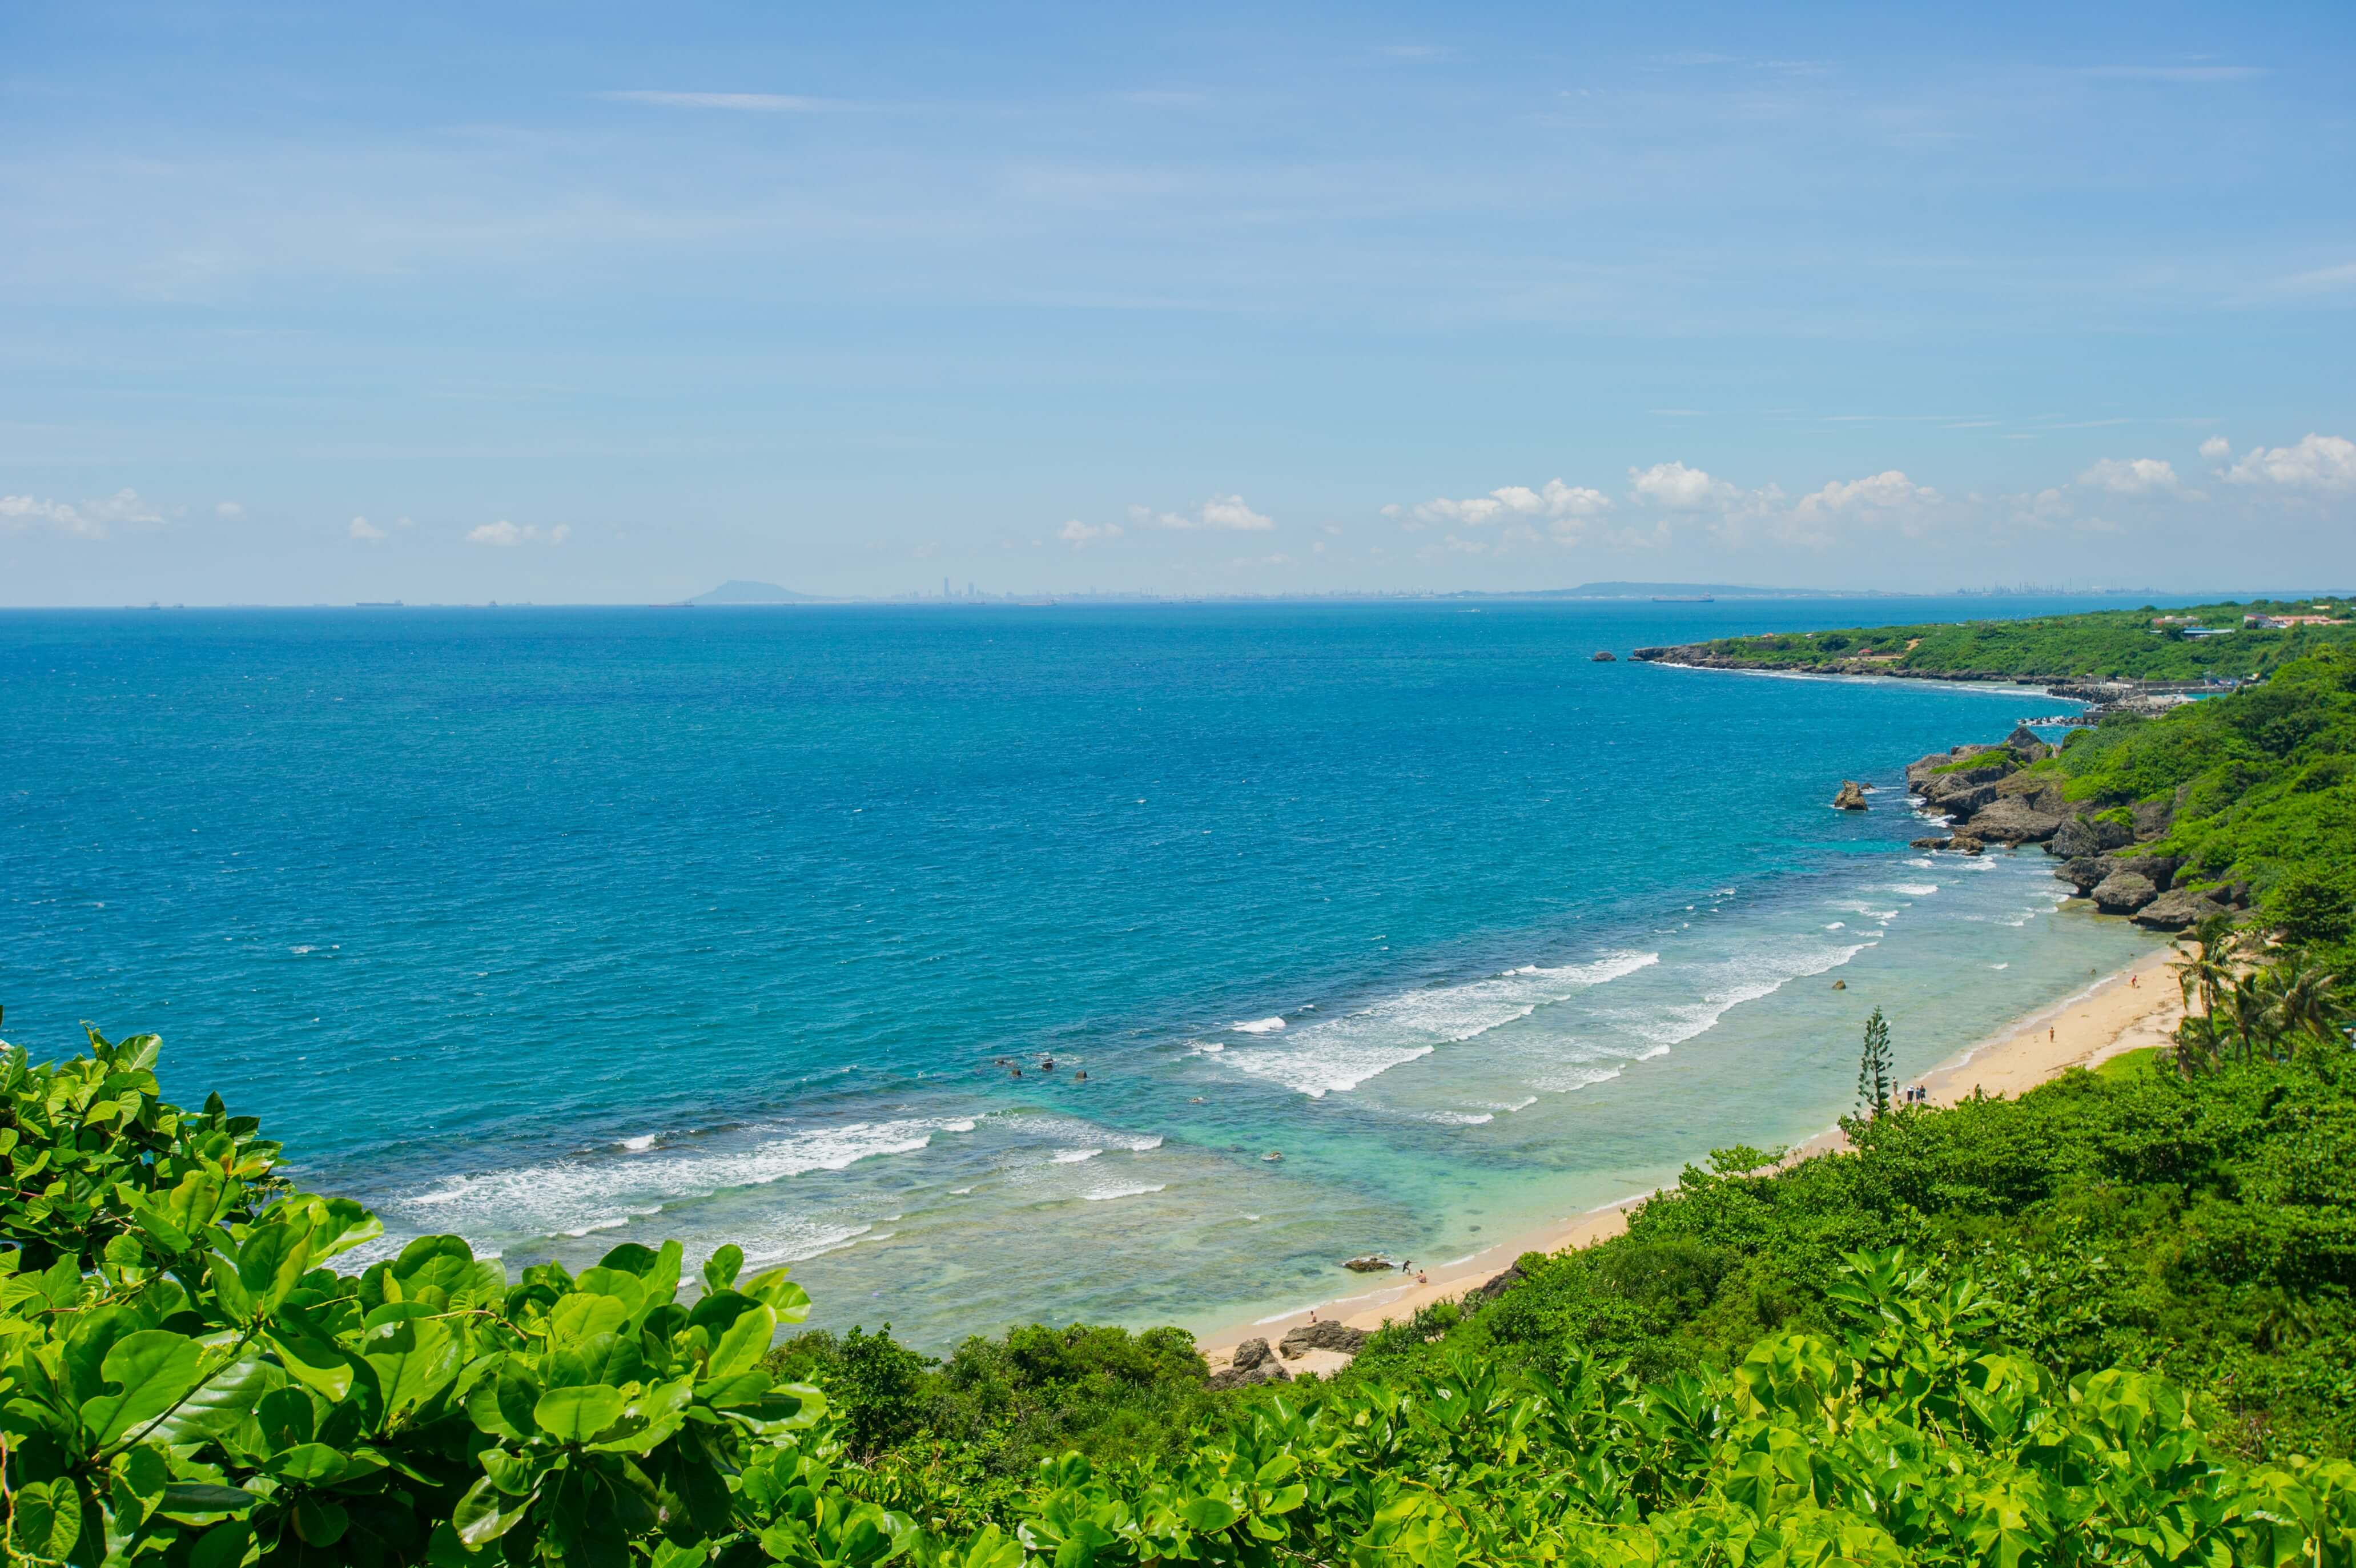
1422	1278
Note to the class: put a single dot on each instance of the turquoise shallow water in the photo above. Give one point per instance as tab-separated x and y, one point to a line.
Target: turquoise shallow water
555	928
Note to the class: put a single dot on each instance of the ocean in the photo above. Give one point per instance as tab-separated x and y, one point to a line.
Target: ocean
1374	927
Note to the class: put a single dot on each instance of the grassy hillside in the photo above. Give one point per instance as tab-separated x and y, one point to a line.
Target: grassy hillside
2099	643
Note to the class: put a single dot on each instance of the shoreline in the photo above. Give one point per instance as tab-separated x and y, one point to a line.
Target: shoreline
2130	1008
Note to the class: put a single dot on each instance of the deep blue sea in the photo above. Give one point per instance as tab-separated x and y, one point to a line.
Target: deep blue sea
555	928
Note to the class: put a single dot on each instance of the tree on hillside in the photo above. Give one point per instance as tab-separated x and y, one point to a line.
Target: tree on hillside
1874	1075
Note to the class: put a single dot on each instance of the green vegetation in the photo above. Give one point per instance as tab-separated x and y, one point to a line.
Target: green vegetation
2098	643
2261	786
1875	1074
2107	1323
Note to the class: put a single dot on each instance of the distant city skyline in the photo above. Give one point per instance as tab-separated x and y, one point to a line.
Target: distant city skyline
611	306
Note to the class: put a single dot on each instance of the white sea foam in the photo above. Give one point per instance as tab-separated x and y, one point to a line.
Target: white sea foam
1111	1193
1745	977
577	1196
1337	1054
644	1141
1206	1048
1457	1118
1259	1027
1074	1156
1923	864
1907	889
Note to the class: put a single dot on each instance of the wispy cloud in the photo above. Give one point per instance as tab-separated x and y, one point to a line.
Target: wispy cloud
2173	72
744	103
364	530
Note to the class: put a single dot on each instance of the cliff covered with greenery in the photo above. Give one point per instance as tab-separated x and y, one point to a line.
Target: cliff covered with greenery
2146	644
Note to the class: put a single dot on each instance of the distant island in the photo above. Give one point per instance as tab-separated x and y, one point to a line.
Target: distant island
737	591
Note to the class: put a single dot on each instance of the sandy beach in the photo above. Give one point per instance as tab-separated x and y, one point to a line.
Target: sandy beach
2130	1009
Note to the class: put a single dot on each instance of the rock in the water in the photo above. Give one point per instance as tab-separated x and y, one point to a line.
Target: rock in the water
1372	1264
2013	821
2084	872
1841	985
1957	799
1603	656
1941	841
1965	843
1325	1336
2123	892
2173	911
1851	796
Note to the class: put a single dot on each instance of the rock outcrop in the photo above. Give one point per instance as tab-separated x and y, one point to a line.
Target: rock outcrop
2084	872
1851	796
2176	910
1254	1363
2084	835
1325	1336
2123	892
2153	819
2012	820
2160	868
1372	1264
1603	656
1498	1284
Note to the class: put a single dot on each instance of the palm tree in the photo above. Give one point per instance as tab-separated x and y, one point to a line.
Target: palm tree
2305	1002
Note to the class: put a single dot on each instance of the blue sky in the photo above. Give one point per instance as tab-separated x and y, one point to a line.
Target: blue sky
585	303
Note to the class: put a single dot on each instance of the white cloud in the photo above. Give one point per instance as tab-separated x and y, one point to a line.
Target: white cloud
753	102
1889	491
2316	463
1678	487
2132	476
1553	499
2216	450
83	520
365	530
507	535
1228	513
228	509
1079	535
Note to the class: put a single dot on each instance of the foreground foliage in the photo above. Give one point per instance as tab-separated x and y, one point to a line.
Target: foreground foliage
185	1380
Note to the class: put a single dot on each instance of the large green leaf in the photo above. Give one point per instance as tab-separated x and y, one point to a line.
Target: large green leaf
155	1369
485	1514
325	1369
414	1359
744	1343
578	1414
221	1405
47	1520
1209	1515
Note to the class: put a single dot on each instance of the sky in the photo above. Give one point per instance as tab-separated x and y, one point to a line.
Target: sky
594	304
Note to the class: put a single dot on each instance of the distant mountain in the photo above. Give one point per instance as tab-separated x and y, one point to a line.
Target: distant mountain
737	591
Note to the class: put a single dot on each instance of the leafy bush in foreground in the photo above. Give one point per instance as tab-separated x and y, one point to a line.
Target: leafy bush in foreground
185	1382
